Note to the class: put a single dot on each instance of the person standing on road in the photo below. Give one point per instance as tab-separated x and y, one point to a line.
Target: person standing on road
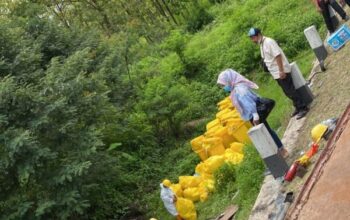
322	7
280	69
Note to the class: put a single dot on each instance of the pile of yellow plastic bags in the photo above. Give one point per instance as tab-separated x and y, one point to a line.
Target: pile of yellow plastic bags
222	142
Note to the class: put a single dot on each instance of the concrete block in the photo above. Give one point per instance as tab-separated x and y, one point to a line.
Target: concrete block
262	141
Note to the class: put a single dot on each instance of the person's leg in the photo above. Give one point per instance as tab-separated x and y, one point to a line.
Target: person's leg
327	16
338	9
274	136
289	90
281	149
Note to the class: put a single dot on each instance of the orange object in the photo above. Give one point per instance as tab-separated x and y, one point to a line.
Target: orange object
313	150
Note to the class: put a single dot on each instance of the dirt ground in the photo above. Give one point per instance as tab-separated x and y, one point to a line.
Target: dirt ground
332	94
331	90
327	194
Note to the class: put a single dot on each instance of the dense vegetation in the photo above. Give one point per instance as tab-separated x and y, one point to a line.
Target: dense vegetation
98	99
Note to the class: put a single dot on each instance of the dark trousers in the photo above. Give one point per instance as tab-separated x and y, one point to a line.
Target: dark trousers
326	15
347	2
289	90
273	134
338	8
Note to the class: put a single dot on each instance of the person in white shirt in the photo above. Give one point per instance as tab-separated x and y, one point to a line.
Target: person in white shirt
280	69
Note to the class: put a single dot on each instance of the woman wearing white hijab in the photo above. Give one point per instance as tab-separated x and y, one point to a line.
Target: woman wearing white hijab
244	100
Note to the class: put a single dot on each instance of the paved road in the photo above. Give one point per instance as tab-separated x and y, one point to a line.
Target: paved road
327	194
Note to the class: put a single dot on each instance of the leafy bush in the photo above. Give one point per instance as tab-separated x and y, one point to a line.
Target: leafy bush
225	178
249	179
198	20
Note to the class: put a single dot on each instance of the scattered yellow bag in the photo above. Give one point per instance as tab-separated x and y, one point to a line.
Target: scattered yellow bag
203	196
228	116
192	193
214	162
211	132
189	181
237	147
202	153
214	146
201	168
226	138
197	142
203	192
233	157
233	122
186	209
240	132
222	112
225	103
176	188
208	184
213	123
207	176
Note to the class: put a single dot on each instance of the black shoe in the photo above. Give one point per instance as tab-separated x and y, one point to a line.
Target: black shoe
301	114
296	111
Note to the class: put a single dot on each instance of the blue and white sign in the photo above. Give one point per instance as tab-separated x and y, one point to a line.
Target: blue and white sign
340	37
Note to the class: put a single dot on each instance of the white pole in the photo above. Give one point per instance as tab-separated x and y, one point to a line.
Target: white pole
316	44
300	84
267	149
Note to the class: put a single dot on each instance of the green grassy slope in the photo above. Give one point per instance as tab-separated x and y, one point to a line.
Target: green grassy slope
224	44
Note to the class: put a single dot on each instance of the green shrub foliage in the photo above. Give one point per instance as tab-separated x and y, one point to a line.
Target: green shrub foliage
98	99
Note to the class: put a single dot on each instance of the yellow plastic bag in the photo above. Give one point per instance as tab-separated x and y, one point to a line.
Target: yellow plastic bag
207	176
222	112
202	153
201	169
240	132
237	147
211	132
213	123
208	184
233	122
197	142
203	196
233	157
214	146
186	209
176	188
226	138
225	103
192	193
228	116
214	162
203	192
189	181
